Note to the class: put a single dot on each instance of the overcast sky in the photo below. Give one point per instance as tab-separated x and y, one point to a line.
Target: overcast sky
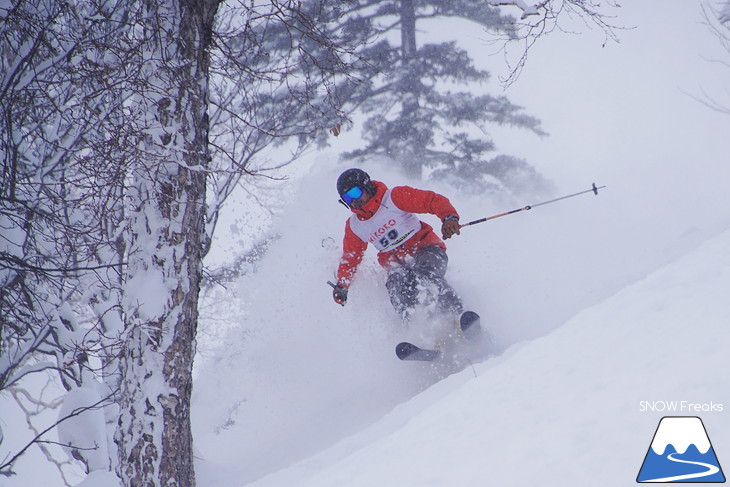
625	113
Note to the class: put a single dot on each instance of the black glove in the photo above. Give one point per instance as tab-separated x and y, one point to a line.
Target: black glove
339	294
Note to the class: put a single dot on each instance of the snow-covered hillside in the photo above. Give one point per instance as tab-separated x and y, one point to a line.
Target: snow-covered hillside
569	408
298	374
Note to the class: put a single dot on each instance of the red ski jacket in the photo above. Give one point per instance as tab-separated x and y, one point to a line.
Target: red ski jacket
405	198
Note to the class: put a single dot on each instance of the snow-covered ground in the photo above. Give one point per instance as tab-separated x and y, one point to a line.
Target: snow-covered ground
300	379
569	408
300	374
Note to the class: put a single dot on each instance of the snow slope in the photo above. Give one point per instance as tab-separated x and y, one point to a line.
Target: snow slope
296	374
564	409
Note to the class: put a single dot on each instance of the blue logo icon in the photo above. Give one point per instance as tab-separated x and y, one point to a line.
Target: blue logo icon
681	452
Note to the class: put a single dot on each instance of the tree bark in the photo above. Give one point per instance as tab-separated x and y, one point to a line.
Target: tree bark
166	225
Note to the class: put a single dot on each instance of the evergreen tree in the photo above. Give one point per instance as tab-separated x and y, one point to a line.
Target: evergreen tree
415	115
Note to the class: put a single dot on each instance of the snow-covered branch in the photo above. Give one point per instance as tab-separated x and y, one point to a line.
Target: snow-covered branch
542	18
6	467
527	10
107	153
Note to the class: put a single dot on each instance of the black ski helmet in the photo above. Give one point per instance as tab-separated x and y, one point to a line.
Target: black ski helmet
355	177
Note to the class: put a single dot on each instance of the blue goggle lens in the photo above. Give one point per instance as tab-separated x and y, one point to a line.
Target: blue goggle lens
352	194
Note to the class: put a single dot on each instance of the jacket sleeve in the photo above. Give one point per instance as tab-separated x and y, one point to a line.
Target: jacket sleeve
422	201
353	250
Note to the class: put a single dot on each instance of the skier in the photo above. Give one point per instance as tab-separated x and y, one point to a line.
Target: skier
407	247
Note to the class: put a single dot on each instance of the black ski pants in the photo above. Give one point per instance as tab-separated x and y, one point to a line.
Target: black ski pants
428	265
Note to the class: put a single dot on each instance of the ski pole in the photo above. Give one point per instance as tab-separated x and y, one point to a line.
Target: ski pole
594	189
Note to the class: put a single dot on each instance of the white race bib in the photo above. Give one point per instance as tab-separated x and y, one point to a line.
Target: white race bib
388	228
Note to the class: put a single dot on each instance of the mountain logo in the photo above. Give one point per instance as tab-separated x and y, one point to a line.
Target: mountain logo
681	452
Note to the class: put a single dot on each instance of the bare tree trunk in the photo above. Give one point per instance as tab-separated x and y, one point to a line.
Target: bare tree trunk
166	241
104	156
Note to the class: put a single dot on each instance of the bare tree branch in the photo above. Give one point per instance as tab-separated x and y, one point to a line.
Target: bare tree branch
6	466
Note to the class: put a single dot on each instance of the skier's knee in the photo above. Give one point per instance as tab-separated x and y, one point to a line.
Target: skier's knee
402	291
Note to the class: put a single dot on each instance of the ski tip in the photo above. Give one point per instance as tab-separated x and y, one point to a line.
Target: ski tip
470	323
468	319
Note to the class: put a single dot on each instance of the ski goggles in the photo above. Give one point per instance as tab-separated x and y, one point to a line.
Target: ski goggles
352	194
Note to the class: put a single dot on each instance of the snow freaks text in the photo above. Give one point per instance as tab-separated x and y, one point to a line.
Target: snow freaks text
687	407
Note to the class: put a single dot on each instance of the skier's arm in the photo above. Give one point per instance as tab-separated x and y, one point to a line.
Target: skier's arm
423	201
415	200
353	250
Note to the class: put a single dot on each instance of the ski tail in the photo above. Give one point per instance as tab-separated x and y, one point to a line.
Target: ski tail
409	351
469	322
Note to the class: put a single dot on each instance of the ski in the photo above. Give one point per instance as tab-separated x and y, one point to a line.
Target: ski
409	351
469	322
